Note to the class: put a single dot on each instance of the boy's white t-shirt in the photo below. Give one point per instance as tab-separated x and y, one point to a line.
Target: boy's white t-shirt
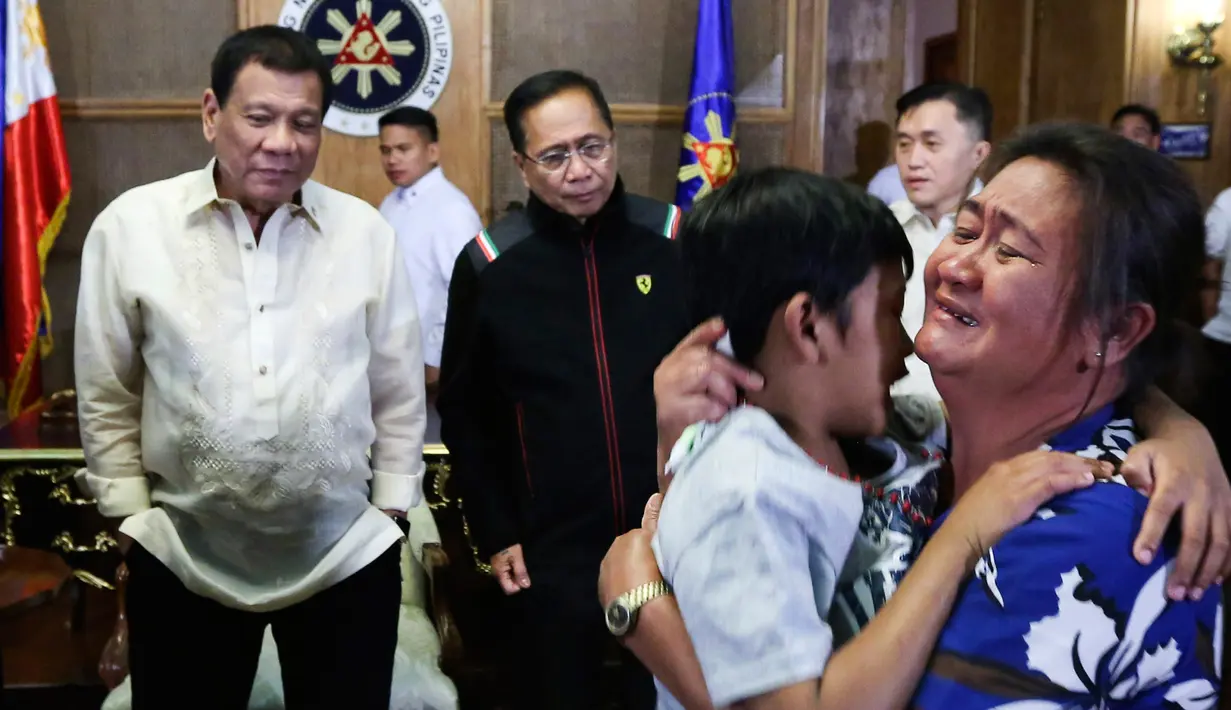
774	560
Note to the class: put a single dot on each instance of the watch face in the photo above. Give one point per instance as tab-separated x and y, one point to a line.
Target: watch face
618	618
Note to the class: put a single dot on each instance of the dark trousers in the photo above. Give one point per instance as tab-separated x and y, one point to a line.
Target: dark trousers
1213	408
563	645
1214	404
335	648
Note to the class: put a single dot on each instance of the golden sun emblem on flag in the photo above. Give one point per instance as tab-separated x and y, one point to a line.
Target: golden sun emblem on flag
32	29
717	158
365	47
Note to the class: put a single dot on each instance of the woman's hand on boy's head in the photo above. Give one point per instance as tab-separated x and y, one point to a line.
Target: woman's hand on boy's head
696	383
1186	477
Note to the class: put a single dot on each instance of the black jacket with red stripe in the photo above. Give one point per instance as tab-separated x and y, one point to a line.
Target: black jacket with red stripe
546	399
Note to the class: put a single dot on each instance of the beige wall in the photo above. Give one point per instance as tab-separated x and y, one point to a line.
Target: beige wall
1152	80
132	107
129	117
926	19
866	64
1055	59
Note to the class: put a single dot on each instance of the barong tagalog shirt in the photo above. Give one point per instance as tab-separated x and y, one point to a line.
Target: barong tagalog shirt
230	390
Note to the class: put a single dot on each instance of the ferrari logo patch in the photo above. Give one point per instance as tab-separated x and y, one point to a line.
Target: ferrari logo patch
644	283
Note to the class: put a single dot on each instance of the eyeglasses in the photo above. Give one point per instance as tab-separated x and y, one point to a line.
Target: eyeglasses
593	152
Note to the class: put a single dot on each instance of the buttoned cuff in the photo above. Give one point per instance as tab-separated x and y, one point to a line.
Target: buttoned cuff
395	491
432	346
117	497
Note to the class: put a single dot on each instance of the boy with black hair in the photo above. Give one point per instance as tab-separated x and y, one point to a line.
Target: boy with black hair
778	556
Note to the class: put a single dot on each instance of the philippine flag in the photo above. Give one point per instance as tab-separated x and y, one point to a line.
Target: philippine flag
35	200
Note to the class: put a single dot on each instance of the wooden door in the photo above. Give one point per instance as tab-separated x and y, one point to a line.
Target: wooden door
1080	53
940	59
1042	60
994	55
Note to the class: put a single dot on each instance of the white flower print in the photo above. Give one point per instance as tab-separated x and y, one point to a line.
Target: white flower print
986	572
1198	694
1071	647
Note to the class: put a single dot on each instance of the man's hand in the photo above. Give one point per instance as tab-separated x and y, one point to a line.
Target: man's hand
431	381
509	569
1184	476
649	518
628	564
696	383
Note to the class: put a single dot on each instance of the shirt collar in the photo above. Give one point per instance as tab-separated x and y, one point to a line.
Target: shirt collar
203	192
434	177
1078	436
546	218
907	212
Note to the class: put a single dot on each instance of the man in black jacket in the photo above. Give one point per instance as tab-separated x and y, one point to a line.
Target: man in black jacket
557	317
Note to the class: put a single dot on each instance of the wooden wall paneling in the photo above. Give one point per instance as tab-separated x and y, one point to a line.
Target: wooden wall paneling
130	109
143	49
791	59
805	134
1079	59
640	51
461	105
761	145
644	77
1173	91
135	109
995	53
1029	62
866	51
107	157
352	164
967	22
663	115
940	59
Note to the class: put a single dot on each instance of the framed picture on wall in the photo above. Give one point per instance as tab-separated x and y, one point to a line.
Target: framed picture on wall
1186	141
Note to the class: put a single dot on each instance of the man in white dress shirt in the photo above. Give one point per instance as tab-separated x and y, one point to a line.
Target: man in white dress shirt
434	221
886	185
1216	391
942	139
244	337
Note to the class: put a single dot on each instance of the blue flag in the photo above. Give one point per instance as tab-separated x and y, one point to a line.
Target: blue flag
708	157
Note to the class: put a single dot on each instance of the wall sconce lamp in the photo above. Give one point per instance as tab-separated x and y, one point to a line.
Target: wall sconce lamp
1194	47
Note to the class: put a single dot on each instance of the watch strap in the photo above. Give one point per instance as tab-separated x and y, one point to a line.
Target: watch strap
639	596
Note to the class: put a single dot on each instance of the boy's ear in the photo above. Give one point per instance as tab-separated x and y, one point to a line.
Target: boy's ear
813	335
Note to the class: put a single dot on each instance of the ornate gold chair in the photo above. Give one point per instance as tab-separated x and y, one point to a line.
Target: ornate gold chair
39	454
57	554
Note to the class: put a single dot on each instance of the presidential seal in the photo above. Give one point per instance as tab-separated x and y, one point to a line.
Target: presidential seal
385	54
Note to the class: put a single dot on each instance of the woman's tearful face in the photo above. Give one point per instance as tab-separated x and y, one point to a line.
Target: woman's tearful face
998	286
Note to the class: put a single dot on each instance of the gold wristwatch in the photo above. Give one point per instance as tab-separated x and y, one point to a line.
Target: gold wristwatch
621	614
